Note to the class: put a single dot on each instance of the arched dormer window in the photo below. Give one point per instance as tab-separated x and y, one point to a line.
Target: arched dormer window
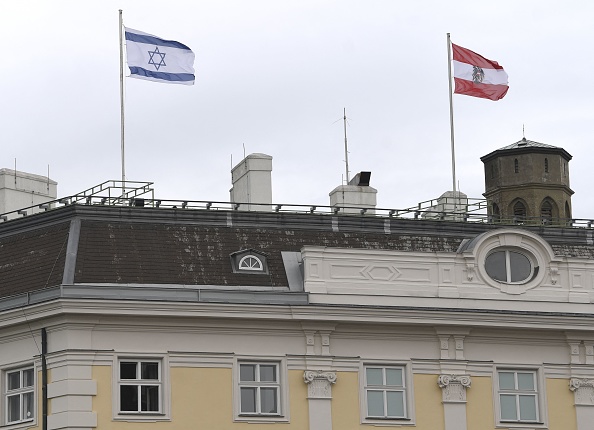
519	212
546	165
249	261
516	166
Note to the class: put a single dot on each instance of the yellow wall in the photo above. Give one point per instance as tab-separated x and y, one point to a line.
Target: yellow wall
479	404
428	406
560	402
201	400
345	401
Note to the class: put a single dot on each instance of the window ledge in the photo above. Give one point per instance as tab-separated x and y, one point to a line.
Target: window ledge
142	417
261	419
389	422
20	424
521	424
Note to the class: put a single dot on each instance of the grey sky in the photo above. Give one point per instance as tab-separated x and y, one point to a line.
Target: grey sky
275	76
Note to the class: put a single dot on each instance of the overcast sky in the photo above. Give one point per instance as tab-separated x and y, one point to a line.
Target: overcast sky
275	76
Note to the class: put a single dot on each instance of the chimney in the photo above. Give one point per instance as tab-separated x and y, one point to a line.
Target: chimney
357	195
20	190
449	207
252	183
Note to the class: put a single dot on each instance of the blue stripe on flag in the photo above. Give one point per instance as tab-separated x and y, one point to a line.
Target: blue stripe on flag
171	77
152	40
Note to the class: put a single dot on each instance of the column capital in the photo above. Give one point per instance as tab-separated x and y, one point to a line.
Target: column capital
583	390
454	387
319	383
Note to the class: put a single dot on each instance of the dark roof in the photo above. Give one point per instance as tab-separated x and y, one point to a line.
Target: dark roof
33	259
161	246
526	146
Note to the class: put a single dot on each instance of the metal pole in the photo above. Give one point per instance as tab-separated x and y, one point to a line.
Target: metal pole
346	149
44	396
122	99
451	116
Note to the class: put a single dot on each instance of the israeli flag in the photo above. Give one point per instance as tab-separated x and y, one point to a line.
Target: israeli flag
159	60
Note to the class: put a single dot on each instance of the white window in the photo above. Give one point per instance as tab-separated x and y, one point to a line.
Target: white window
251	262
518	396
140	386
259	389
19	395
385	392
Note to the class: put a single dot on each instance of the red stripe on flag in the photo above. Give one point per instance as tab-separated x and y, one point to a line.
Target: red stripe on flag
469	57
485	91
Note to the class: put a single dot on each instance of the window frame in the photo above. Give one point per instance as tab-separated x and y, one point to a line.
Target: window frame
259	268
239	256
30	389
539	394
406	388
163	414
534	267
282	396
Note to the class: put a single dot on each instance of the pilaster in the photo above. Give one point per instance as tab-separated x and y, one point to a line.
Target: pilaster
583	390
454	399
319	396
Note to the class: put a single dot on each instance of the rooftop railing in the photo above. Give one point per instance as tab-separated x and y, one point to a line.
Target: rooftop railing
141	195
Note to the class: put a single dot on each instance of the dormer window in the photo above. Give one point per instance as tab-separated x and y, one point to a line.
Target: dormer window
249	261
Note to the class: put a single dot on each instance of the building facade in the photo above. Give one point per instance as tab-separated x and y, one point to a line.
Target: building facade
171	318
142	314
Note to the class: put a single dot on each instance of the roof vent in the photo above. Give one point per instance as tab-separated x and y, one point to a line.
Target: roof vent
361	179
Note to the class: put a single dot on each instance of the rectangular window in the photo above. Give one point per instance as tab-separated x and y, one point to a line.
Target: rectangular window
259	389
140	386
20	395
385	392
518	396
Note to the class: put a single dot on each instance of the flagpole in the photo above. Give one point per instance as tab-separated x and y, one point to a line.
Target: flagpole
451	117
122	101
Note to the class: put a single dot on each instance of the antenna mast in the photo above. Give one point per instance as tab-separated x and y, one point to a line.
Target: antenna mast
346	148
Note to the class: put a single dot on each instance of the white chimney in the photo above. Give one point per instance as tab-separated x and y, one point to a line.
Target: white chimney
252	183
357	194
19	190
449	207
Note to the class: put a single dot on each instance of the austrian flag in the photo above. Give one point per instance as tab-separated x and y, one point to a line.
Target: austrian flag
476	76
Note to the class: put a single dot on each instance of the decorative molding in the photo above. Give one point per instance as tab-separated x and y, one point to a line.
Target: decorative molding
574	349
319	384
583	390
554	272
469	271
454	387
459	344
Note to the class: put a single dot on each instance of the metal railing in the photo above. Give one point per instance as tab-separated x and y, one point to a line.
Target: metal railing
141	194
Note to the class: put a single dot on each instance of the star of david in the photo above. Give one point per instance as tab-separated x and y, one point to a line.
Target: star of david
160	58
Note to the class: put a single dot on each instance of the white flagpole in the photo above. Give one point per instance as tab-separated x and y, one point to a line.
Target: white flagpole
451	117
122	100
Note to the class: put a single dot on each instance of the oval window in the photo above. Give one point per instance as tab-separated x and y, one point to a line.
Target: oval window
510	267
